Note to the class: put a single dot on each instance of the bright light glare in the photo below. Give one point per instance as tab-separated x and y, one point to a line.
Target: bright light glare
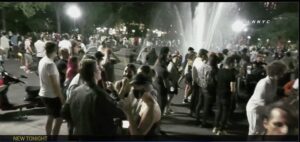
74	12
125	124
238	26
249	37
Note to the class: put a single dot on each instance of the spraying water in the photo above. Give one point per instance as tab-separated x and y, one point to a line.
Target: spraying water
207	26
210	26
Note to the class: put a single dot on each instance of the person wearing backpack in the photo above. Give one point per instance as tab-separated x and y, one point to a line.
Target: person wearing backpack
202	76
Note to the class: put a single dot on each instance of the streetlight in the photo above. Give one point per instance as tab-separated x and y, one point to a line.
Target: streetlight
74	12
238	26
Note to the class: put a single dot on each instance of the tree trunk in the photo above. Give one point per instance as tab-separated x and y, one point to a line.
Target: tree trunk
3	19
58	20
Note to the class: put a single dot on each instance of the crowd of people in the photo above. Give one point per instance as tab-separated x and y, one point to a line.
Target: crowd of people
78	84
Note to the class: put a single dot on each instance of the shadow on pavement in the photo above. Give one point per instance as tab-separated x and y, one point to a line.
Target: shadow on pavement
17	115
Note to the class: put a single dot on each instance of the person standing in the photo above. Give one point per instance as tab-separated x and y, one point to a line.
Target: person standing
90	109
50	91
162	81
28	54
14	43
202	78
4	45
40	48
65	43
225	89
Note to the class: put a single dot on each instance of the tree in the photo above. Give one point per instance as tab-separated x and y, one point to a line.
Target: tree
285	25
29	9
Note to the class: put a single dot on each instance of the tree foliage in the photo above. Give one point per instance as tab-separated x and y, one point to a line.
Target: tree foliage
285	25
29	9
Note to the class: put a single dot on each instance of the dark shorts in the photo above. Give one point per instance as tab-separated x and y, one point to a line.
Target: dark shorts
188	79
53	106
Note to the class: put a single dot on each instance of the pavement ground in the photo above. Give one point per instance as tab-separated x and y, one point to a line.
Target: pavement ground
179	123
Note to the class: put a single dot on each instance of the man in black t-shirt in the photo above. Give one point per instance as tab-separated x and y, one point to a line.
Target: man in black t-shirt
226	79
161	82
62	66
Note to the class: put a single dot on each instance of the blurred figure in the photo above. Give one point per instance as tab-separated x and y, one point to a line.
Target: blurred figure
123	86
65	43
62	65
40	48
72	69
4	46
162	80
173	69
265	93
226	83
28	54
187	75
145	116
92	104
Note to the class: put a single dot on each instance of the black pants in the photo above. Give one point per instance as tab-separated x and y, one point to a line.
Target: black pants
223	108
204	102
163	96
195	98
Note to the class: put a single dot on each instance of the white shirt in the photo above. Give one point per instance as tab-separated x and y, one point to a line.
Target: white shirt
197	65
296	84
76	81
4	43
27	45
65	44
265	88
40	48
83	47
46	68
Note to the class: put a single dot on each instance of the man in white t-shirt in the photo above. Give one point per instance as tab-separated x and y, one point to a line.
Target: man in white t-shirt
40	49
50	90
28	54
264	94
4	45
65	43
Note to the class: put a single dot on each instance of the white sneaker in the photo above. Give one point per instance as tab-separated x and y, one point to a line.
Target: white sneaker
215	130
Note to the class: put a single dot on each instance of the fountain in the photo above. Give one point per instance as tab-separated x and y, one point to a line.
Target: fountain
207	26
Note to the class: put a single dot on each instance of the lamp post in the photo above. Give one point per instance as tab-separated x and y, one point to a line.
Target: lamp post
74	12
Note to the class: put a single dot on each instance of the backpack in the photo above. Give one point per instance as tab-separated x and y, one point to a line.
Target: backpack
206	77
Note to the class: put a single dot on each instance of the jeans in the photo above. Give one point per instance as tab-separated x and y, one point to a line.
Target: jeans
223	107
204	103
195	98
